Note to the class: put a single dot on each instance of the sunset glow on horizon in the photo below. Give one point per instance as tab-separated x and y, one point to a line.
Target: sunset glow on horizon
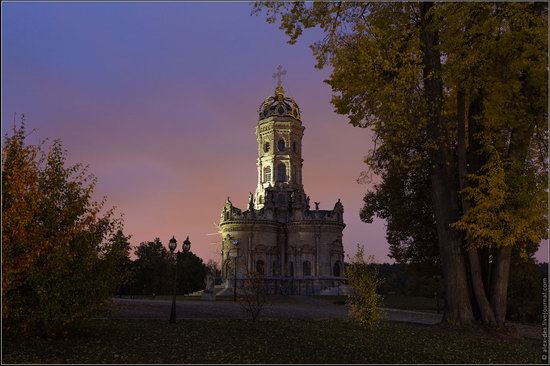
161	101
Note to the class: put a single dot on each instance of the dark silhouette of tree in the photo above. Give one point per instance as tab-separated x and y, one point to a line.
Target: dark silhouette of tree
191	272
152	274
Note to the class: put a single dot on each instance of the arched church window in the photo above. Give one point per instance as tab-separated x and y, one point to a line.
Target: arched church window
336	269
261	199
294	147
267	174
307	268
281	172
292	269
281	145
260	267
266	147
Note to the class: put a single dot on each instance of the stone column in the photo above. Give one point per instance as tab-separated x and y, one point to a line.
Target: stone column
317	249
250	251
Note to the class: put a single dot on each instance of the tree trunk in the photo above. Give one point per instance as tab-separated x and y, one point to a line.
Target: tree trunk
499	283
444	196
487	315
520	140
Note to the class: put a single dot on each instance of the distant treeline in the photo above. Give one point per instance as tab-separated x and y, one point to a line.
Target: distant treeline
152	272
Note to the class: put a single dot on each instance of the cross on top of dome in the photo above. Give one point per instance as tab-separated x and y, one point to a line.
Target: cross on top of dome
279	75
279	105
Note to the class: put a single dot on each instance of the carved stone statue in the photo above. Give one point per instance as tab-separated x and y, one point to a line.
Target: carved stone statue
209	281
250	201
317	205
307	203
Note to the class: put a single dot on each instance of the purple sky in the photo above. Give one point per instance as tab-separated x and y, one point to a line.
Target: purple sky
161	101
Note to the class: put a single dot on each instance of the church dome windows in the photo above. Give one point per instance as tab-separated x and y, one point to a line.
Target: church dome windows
281	145
281	172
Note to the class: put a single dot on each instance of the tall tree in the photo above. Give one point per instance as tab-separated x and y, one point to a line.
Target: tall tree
54	239
457	91
191	272
119	255
152	268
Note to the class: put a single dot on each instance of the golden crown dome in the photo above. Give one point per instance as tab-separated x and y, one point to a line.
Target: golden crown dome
279	106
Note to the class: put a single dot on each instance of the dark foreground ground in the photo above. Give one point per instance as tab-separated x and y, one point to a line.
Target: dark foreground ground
138	332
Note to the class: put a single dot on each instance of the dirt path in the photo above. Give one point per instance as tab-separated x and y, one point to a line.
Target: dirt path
295	307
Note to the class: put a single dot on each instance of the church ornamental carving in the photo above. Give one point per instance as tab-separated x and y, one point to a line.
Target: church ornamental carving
279	233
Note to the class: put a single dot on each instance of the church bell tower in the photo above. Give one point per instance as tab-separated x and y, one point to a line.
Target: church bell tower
279	135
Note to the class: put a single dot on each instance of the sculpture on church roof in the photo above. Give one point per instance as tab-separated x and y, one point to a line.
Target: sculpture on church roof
250	201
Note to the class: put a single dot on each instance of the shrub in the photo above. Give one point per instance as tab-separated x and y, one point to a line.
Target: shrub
364	282
253	294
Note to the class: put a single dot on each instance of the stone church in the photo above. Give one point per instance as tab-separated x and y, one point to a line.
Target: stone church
280	234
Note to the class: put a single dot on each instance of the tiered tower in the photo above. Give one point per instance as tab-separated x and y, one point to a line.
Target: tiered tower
279	234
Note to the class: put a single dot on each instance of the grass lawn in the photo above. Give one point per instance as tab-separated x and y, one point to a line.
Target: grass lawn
233	341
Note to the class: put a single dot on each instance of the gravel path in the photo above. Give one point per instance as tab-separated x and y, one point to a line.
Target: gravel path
198	309
294	307
298	307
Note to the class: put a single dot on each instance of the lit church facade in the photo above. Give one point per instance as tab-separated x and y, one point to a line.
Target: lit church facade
279	234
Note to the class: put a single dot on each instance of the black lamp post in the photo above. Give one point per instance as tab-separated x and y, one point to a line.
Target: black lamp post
235	243
172	244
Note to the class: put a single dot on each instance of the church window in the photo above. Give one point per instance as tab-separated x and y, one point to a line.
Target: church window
266	147
295	147
281	172
281	145
260	267
261	199
267	174
294	174
307	268
336	269
292	269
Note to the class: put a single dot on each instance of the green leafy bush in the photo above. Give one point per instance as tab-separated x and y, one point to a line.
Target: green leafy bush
57	262
364	282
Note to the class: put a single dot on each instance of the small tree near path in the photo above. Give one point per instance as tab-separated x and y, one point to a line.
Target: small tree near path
253	295
364	281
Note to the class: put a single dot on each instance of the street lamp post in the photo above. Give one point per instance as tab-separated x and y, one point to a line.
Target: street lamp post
235	243
172	244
